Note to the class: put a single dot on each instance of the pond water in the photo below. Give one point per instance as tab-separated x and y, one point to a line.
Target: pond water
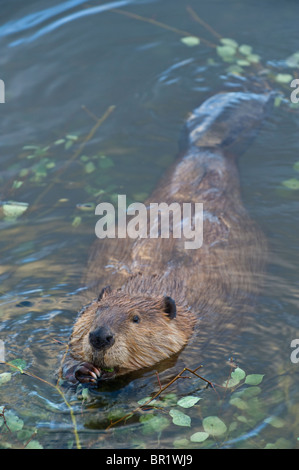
66	66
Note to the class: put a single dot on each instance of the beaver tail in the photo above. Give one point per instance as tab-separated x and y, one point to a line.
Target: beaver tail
228	120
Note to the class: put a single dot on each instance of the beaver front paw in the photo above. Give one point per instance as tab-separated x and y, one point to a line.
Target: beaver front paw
87	373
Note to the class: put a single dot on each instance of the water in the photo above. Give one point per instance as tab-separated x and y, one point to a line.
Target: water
57	59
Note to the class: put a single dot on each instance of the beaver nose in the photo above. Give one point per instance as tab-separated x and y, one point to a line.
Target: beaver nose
101	338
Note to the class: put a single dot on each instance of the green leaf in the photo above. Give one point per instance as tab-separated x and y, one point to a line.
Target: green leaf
199	437
293	60
292	183
275	421
229	42
152	423
226	51
89	167
179	418
214	426
283	78
243	63
34	444
238	374
254	379
71	137
13	422
245	50
68	144
5	377
235	69
296	166
188	402
190	41
238	403
178	443
254	58
77	221
277	102
145	400
106	163
59	142
14	209
19	363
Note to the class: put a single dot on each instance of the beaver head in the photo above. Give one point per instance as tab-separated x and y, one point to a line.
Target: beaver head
128	332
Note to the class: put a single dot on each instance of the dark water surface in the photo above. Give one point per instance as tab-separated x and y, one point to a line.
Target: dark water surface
59	56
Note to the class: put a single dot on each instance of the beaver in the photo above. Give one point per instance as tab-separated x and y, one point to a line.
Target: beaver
157	291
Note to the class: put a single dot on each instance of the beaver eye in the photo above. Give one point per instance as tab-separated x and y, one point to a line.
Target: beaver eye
136	319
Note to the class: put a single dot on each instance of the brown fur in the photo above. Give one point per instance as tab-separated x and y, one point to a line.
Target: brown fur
215	278
140	345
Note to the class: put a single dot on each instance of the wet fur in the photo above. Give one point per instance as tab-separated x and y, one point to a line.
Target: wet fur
217	278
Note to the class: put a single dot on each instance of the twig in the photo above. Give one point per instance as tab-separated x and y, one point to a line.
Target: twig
4	419
162	389
56	387
162	25
78	151
203	23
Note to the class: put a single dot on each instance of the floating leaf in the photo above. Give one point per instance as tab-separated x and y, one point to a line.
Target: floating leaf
179	418
188	402
17	184
71	137
296	166
177	443
68	144
59	142
190	41
243	63
34	444
236	69
254	379
238	403
152	423
293	60
283	78
236	376
238	373
106	162
145	400
245	50
277	101
199	436
292	183
90	167
76	222
226	51
12	209
254	58
5	377
19	363
229	42
275	421
13	422
214	425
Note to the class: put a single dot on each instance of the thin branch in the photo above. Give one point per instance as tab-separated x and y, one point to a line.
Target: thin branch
162	25
162	389
203	23
56	387
78	151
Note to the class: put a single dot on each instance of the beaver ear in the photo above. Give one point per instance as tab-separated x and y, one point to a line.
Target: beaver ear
104	293
169	307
